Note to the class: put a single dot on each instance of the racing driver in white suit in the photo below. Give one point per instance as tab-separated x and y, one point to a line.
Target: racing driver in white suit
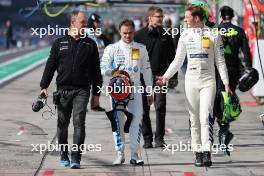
133	58
204	50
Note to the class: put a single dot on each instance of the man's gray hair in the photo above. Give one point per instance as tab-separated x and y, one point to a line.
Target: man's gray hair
75	13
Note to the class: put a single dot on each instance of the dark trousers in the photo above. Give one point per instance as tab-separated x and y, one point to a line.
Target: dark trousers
10	41
160	107
72	102
233	74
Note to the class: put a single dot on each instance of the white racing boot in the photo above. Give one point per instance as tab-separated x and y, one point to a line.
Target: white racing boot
120	159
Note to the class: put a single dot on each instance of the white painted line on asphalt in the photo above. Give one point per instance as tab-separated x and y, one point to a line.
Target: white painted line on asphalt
22	71
16	50
21	57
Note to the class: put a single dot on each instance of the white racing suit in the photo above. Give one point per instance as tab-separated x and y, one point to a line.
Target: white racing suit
204	51
134	59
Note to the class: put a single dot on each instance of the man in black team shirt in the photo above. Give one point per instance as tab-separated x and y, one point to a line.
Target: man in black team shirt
161	53
76	60
234	41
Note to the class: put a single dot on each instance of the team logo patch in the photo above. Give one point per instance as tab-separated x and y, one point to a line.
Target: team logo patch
199	55
135	54
120	59
135	68
206	42
64	48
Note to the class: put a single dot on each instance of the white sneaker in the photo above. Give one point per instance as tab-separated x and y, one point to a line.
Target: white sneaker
120	158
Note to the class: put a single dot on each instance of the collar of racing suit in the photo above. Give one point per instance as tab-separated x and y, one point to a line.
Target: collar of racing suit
126	45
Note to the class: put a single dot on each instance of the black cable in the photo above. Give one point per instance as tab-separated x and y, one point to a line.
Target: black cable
52	141
44	157
48	111
256	37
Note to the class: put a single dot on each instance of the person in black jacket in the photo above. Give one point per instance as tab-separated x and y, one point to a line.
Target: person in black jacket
94	22
9	34
76	60
161	53
234	40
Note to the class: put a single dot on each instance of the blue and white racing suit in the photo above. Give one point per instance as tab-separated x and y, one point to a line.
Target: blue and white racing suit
133	58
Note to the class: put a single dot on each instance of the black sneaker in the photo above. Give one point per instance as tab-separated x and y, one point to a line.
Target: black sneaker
207	159
199	159
75	164
160	144
75	160
64	159
98	108
136	162
147	145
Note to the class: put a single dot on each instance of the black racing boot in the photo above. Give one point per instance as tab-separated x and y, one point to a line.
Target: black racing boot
207	159
199	159
135	160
